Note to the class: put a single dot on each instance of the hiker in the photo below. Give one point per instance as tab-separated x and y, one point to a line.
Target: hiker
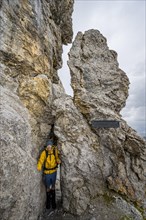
49	159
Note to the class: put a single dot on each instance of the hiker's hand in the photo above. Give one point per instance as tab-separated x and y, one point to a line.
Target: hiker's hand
39	169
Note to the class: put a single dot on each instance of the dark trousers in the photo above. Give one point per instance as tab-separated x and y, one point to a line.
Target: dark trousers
51	199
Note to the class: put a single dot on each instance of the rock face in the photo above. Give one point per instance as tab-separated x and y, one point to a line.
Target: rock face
80	151
31	38
100	86
105	162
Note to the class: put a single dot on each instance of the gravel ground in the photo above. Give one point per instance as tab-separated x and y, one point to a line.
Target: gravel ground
58	213
100	211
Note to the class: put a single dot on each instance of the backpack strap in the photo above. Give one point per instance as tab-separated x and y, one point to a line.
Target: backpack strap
54	152
47	153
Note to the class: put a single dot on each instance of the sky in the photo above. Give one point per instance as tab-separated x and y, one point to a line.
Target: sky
122	22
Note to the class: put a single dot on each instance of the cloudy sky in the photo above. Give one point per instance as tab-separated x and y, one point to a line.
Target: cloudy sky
122	22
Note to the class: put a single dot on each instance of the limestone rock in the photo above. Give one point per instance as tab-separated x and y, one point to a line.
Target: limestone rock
81	175
100	86
97	161
91	174
31	48
61	14
18	168
30	51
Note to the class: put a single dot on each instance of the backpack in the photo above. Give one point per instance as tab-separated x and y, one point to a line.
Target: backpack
54	152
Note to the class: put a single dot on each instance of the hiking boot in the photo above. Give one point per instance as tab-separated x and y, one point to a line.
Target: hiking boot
53	199
48	200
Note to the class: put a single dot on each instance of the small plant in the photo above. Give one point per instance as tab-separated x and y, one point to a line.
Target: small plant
108	198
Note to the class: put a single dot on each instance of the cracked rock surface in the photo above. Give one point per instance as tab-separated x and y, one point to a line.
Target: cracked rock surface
31	42
103	161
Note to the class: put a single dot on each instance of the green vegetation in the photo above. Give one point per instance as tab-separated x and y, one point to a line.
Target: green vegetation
108	198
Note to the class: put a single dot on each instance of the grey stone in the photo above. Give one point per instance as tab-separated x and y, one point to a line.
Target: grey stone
30	55
19	183
100	92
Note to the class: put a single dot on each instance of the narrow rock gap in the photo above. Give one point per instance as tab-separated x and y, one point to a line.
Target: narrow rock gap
50	213
64	73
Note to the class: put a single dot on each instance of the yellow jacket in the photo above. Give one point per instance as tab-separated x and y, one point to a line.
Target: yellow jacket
50	162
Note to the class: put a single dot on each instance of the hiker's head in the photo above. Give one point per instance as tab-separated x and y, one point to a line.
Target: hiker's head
49	144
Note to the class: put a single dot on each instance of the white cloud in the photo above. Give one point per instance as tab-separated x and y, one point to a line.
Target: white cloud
135	111
135	118
123	24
